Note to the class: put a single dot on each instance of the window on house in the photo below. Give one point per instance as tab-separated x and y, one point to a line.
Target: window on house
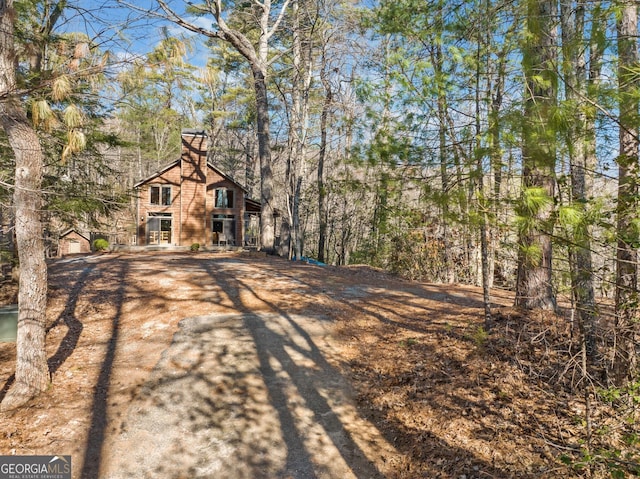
224	198
160	193
166	195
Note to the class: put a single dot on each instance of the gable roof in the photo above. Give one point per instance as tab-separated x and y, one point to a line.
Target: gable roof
73	230
177	163
157	173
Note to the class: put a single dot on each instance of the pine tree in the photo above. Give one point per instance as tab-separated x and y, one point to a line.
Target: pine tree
262	20
533	286
627	321
32	371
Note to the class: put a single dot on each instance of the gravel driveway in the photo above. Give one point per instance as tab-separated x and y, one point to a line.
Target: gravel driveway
244	395
173	365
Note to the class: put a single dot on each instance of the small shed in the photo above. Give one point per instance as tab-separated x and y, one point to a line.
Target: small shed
73	242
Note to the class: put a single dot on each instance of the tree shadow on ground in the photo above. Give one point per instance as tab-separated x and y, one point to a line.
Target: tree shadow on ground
74	330
97	430
261	408
68	317
444	458
248	394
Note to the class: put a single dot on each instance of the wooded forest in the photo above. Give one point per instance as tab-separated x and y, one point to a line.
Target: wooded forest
485	142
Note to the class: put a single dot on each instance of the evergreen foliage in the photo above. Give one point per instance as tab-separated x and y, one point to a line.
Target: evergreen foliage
472	142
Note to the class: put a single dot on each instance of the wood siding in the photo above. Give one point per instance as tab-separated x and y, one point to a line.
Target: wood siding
193	185
193	189
170	177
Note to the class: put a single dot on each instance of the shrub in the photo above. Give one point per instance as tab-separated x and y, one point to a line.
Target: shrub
195	247
100	244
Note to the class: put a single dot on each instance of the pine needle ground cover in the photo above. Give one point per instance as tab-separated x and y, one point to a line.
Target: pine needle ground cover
434	392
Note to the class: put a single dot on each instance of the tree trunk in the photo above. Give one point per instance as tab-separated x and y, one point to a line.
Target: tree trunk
322	154
267	220
575	79
533	284
480	189
32	372
437	58
627	325
495	97
299	124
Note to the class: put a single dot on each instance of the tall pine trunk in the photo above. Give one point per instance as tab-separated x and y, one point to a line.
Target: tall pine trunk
267	220
481	56
437	58
32	372
627	325
495	90
581	164
322	155
533	285
298	125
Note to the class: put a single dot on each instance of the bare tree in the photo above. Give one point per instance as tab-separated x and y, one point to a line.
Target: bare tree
322	155
581	151
303	63
257	56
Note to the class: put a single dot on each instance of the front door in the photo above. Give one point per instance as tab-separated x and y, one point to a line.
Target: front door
159	228
224	229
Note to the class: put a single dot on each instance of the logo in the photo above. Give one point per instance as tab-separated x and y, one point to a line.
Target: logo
35	467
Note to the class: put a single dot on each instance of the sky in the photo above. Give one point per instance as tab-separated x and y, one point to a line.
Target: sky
125	32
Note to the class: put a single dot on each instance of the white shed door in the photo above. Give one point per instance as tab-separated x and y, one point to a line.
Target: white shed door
74	246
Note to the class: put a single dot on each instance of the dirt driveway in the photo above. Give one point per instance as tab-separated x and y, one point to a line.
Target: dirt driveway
177	365
245	396
195	366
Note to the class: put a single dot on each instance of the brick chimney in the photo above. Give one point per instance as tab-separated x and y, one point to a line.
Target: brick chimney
193	171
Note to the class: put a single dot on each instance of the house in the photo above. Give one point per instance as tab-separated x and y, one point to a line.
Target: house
191	201
73	242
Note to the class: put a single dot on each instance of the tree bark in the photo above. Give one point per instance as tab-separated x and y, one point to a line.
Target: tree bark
438	60
32	372
480	188
495	89
322	154
627	326
267	219
302	59
580	164
533	285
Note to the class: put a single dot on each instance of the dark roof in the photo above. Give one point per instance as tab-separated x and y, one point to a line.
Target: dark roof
73	230
194	132
252	206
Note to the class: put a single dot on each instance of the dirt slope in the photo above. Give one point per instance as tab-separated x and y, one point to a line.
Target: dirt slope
281	369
